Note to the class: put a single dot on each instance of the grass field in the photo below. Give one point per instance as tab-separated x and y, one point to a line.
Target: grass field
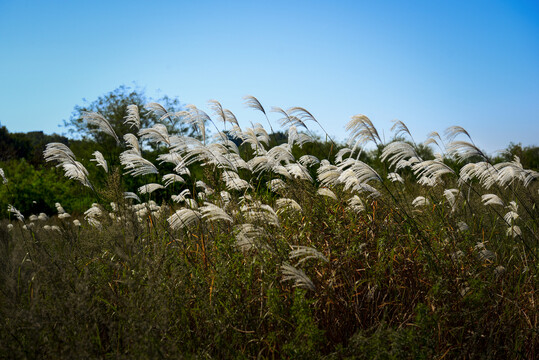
262	254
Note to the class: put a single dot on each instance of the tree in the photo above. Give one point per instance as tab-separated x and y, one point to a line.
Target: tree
114	107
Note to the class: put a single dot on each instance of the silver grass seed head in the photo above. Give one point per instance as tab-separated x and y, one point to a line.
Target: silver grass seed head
100	160
149	188
133	117
16	212
327	192
300	279
184	218
101	123
3	176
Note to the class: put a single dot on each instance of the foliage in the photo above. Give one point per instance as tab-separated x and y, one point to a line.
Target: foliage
113	106
262	251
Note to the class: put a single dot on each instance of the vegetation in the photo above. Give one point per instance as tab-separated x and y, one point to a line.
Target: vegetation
247	245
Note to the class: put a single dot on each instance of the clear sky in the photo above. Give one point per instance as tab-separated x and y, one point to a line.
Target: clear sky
431	64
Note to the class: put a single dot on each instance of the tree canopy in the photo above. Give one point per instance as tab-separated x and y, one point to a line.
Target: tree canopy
115	107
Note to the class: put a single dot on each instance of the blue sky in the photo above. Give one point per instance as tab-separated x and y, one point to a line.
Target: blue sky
431	64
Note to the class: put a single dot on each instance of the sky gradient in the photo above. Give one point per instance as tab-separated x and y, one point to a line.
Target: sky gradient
431	64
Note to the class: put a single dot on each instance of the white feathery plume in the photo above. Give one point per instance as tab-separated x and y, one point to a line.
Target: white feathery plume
462	226
361	131
202	185
514	231
235	161
59	208
431	169
341	153
16	212
491	199
327	192
225	196
261	163
213	212
305	253
58	152
508	172
171	179
198	119
224	139
42	217
402	164
136	165
100	160
260	212
66	159
132	142
149	188
131	195
302	114
373	193
430	141
483	253
231	118
218	110
3	176
362	171
100	122
133	117
288	119
510	217
513	206
463	150
355	204
531	176
183	218
295	137
156	108
328	174
420	201
261	134
400	127
248	237
452	196
452	132
394	177
175	159
276	185
92	214
298	171
427	181
431	138
158	133
350	180
181	197
253	103
249	137
397	151
234	182
300	279
480	170
285	204
308	160
281	170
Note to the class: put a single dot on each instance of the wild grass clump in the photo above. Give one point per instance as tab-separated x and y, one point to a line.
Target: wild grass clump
236	247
